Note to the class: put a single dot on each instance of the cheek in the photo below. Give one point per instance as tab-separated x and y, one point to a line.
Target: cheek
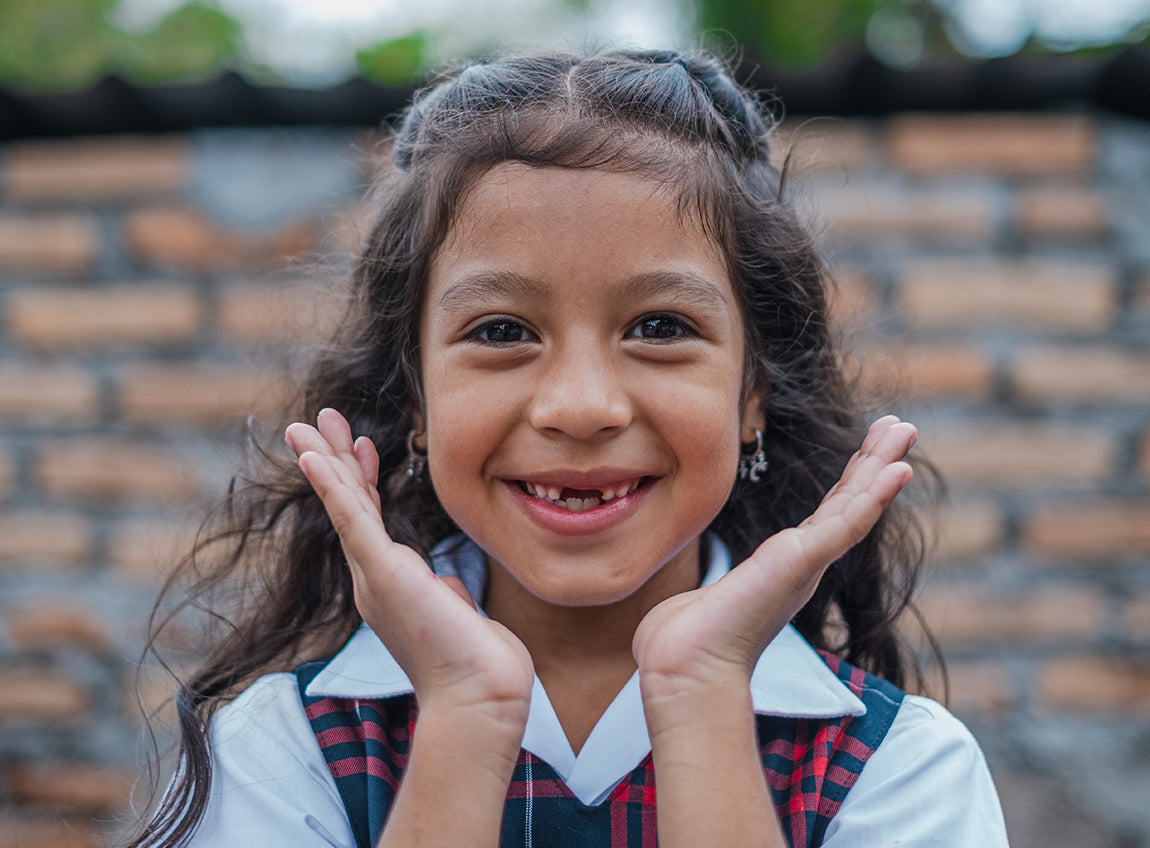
707	442
465	424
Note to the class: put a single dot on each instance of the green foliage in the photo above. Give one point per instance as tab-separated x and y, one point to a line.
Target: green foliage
397	61
61	45
56	44
789	33
194	40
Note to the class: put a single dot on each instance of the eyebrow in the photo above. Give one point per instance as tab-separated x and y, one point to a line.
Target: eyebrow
486	285
685	286
691	288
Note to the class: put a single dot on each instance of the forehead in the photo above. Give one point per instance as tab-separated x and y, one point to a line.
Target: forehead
548	220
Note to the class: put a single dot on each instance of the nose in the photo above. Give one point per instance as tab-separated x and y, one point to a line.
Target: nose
581	393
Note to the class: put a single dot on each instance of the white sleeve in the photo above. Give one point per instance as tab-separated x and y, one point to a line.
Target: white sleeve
270	784
926	785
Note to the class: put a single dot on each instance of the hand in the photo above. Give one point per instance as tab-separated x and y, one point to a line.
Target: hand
715	635
456	659
696	652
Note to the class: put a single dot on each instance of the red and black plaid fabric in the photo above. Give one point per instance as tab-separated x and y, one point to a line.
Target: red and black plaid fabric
809	764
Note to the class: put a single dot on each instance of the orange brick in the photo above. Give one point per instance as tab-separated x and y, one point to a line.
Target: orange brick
1082	374
45	537
152	698
36	394
68	318
929	371
1016	455
88	169
966	530
965	615
831	145
1061	211
29	832
1089	531
1141	299
184	238
149	549
1136	617
47	623
285	311
48	243
1028	294
7	473
97	469
40	696
937	214
994	144
195	393
1093	684
70	786
853	300
976	688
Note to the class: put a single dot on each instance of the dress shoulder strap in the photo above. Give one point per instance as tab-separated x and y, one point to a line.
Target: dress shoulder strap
365	744
811	764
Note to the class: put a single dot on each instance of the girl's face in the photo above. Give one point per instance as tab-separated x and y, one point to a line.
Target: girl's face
582	356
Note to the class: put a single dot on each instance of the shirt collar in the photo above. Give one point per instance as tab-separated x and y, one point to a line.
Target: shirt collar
789	680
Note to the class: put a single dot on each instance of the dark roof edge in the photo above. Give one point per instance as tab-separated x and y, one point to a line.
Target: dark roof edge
1119	83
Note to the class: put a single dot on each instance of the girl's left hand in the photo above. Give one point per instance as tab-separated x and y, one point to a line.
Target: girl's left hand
696	652
714	635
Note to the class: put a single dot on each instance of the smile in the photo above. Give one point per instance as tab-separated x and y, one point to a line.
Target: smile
582	499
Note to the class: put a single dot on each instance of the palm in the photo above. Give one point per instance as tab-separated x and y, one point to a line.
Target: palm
723	628
447	649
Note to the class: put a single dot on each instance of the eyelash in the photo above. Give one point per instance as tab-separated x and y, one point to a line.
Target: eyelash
680	330
484	329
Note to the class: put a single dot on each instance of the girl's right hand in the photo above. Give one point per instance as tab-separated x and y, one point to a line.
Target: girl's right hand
462	665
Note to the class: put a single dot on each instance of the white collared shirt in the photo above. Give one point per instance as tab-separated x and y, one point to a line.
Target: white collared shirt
926	785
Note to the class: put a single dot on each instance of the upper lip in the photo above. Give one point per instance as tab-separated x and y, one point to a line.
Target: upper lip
568	478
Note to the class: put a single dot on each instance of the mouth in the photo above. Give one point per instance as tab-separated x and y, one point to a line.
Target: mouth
581	499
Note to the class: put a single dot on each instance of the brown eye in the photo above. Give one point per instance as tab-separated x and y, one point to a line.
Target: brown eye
501	331
660	328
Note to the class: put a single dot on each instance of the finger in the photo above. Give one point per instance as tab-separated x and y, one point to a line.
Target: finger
331	437
303	437
307	440
386	575
352	514
888	440
842	522
335	428
368	458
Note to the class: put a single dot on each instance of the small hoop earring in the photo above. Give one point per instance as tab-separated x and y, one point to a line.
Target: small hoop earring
753	460
416	459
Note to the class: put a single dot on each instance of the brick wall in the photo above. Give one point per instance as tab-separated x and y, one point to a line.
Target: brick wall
994	269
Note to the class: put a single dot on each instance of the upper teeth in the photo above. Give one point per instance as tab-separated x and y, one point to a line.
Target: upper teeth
552	494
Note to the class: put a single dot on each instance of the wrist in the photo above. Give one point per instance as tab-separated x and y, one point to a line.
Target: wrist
677	705
490	731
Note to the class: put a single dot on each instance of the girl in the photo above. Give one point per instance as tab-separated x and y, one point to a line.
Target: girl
587	368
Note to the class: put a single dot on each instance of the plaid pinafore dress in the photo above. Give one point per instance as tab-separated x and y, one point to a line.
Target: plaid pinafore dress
809	764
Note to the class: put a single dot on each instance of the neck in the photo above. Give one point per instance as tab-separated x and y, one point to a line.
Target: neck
582	655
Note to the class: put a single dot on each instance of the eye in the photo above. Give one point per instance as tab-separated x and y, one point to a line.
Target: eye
501	331
661	328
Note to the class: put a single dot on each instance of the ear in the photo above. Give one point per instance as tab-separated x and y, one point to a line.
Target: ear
419	427
753	418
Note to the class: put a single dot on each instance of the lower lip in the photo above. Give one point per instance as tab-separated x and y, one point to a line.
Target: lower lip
563	522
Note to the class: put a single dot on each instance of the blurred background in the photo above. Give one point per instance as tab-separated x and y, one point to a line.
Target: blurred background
181	190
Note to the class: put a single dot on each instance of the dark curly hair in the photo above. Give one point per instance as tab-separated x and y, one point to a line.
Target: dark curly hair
675	118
